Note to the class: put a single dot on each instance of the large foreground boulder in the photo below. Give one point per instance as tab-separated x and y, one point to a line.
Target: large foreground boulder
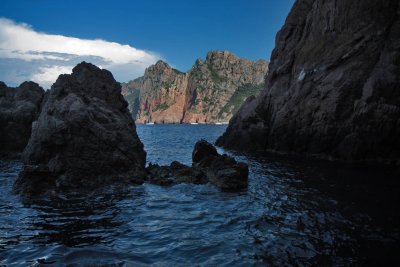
208	167
19	107
84	136
333	89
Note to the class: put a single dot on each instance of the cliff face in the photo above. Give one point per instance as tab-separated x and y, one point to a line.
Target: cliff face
210	92
162	94
333	85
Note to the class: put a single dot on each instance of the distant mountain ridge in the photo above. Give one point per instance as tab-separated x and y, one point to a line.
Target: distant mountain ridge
212	91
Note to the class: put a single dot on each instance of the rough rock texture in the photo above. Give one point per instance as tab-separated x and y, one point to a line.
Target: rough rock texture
221	170
84	136
19	107
203	150
175	173
208	167
333	85
162	94
211	91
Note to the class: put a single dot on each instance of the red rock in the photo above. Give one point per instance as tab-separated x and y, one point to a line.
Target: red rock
205	94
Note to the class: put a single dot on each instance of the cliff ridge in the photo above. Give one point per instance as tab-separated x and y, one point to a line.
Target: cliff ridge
212	91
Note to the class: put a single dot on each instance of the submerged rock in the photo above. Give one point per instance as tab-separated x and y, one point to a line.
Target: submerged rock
208	167
19	107
84	136
333	85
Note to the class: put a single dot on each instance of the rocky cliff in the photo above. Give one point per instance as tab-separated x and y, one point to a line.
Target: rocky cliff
19	107
333	85
84	137
212	91
161	94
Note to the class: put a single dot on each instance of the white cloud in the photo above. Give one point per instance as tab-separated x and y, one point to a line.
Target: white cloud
48	75
56	54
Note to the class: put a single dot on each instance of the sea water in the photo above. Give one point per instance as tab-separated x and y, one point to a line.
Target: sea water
295	212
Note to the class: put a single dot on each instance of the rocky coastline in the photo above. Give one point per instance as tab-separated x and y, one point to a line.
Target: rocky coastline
211	92
82	137
331	92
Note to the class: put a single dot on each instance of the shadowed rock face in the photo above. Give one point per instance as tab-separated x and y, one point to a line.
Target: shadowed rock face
333	85
84	136
203	150
19	107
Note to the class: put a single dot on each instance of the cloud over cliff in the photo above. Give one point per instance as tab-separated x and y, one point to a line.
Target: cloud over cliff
26	54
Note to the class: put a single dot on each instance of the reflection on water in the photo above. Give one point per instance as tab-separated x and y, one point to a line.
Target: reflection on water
294	213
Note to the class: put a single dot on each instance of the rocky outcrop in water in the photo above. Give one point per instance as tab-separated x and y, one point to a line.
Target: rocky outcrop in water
212	91
208	167
333	85
84	137
19	107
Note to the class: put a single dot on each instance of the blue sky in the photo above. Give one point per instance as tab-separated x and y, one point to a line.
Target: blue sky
127	36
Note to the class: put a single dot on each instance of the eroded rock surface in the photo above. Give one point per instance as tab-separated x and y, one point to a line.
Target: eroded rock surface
84	136
212	91
333	86
208	167
19	107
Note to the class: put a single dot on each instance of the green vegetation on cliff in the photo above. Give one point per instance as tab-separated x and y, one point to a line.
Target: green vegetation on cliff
199	94
214	75
161	106
240	95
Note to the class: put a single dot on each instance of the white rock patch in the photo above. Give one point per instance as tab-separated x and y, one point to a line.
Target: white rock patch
302	74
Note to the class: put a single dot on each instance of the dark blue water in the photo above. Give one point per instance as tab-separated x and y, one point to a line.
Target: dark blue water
295	213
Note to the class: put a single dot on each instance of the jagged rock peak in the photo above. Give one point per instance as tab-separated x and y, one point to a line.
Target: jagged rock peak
160	68
161	63
86	72
206	93
29	85
199	61
83	138
89	80
218	54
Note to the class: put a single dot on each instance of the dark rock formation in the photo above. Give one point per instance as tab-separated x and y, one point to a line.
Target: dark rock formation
84	136
221	170
203	150
208	166
333	85
175	173
212	91
19	107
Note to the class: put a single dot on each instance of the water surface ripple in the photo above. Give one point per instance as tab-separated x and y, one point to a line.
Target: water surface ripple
295	213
